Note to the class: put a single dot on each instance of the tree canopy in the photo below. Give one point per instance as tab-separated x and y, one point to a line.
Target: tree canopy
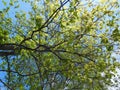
59	44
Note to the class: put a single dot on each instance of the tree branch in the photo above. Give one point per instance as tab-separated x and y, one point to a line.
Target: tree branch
47	22
6	85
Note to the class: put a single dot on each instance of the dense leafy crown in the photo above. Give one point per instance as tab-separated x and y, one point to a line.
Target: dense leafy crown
59	44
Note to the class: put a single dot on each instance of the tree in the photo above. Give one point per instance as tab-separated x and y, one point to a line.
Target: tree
59	44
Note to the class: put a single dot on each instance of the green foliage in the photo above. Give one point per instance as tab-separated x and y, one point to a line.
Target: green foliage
60	44
3	36
116	35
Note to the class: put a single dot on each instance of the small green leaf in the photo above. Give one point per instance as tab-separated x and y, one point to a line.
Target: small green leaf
109	48
104	40
4	2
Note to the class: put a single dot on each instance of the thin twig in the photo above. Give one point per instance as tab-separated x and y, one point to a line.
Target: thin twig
6	85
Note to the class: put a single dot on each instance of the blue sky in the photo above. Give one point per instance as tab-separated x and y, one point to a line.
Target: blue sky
26	7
